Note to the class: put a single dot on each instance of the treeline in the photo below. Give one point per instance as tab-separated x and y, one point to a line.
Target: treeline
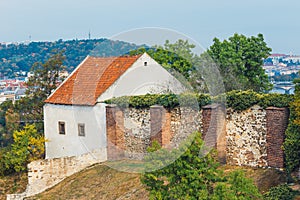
16	58
285	77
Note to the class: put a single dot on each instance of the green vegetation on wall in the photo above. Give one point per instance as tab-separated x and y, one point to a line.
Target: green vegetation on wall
238	100
292	141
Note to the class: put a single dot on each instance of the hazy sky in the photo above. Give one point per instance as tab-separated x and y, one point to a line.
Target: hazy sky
200	20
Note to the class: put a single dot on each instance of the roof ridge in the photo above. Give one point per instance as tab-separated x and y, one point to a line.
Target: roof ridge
121	56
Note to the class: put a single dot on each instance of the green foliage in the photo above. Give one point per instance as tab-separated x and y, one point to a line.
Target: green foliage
291	144
296	103
236	186
276	100
242	100
28	145
45	76
189	177
166	100
240	61
238	100
193	175
281	192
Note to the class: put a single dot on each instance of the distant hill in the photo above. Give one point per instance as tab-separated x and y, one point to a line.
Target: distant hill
16	58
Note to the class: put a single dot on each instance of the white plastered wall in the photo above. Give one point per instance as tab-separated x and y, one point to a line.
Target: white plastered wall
71	144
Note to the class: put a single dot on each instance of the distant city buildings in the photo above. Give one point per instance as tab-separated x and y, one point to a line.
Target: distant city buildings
282	69
14	89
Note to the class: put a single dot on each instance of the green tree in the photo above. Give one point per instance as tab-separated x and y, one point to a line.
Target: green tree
282	192
240	61
28	145
291	144
194	175
45	76
44	80
5	137
189	177
236	187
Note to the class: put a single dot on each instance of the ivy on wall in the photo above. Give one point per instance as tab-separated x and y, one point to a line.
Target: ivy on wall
291	144
238	100
166	100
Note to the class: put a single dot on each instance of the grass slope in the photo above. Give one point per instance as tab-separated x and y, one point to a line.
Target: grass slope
97	182
102	182
11	184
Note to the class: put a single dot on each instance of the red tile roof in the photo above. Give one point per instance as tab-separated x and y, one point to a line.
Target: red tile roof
91	78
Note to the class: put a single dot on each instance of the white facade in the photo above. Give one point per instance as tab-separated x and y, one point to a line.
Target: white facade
70	143
144	76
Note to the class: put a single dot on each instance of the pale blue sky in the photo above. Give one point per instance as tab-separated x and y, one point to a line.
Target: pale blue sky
200	20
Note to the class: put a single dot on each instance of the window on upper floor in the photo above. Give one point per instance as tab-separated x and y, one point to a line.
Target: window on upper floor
62	127
81	129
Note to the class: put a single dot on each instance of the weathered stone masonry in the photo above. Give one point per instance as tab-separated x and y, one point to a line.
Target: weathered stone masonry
43	174
246	137
252	137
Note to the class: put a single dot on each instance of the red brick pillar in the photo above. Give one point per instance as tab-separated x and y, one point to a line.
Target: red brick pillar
115	132
160	126
277	122
214	129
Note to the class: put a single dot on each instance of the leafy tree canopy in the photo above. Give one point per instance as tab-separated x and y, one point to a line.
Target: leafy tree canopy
28	146
194	175
240	61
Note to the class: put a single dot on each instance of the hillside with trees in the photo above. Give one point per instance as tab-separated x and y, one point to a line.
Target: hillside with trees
18	58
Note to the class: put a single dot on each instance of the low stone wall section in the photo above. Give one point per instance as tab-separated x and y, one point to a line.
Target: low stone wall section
44	174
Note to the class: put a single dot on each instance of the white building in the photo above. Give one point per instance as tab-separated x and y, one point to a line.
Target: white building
74	114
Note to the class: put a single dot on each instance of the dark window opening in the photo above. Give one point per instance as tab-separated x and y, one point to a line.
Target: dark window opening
62	128
145	63
81	130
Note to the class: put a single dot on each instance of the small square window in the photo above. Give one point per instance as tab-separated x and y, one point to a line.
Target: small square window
62	128
81	130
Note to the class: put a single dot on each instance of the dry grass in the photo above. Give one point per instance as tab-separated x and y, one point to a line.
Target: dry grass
102	182
97	182
15	183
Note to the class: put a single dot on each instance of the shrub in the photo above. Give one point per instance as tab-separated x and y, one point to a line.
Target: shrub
282	192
